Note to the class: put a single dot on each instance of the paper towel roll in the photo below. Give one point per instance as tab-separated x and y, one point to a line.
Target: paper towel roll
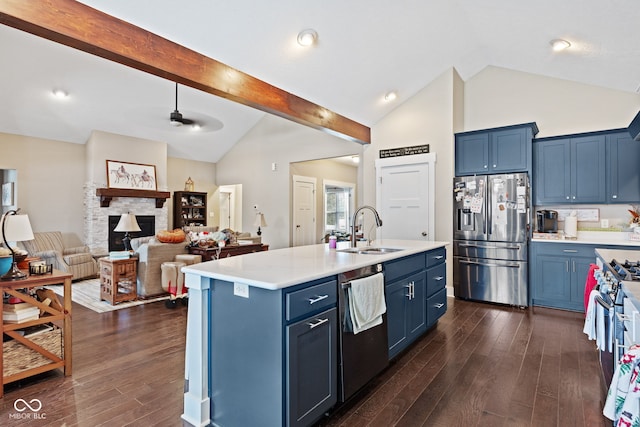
571	226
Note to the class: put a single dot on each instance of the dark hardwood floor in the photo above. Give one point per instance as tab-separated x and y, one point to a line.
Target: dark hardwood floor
481	365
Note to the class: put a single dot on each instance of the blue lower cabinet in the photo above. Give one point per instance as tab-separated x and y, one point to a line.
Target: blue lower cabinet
312	367
414	283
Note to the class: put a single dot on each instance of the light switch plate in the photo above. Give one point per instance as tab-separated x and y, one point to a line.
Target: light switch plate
241	290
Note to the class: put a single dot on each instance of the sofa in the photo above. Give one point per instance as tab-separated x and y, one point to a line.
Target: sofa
50	248
151	254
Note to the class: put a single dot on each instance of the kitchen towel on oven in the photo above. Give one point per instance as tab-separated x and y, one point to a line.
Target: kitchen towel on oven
594	321
622	404
366	302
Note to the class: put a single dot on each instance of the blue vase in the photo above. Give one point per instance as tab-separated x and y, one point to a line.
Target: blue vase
5	264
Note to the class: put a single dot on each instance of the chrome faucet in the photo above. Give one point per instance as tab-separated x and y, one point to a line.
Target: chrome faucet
355	216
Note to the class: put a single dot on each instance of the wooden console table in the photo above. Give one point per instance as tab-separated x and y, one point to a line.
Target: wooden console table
231	250
31	344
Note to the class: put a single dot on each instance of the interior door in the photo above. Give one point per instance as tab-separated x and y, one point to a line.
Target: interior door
304	211
405	188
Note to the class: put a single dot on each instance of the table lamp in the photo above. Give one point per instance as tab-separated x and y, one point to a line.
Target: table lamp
259	222
127	224
15	228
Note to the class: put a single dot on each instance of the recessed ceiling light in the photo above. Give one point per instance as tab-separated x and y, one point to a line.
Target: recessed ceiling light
307	37
60	94
559	44
390	96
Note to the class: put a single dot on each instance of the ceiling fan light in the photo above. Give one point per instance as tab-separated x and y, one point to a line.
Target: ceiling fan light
307	37
559	44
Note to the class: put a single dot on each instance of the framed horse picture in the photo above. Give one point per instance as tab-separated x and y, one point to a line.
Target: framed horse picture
135	176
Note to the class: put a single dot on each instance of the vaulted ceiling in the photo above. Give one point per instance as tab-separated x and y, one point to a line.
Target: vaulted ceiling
365	49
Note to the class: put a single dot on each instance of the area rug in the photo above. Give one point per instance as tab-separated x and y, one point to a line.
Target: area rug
87	294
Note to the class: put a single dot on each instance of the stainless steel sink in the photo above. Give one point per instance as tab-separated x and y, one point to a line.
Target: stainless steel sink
368	250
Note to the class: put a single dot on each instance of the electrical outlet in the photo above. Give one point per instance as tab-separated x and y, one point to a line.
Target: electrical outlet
241	290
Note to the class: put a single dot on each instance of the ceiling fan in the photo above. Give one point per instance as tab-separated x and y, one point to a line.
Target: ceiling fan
176	118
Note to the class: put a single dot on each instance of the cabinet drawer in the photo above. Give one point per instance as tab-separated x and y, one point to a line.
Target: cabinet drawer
436	306
436	278
403	267
576	249
311	299
436	256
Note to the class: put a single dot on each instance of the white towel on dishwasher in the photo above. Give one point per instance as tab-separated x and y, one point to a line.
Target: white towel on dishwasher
366	302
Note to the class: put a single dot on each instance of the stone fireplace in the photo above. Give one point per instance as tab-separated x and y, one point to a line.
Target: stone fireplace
96	224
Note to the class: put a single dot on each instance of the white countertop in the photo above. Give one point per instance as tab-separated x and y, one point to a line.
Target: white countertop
281	268
596	238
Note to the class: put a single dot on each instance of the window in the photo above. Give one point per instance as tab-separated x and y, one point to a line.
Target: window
337	206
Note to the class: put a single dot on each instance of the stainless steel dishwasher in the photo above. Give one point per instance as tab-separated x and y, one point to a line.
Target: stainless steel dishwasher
362	355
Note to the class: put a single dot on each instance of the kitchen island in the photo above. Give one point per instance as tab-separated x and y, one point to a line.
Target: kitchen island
243	349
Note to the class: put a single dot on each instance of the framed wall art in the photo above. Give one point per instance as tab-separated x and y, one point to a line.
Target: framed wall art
7	194
136	176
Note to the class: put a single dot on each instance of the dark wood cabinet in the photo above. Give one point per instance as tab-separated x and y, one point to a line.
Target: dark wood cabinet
189	208
209	254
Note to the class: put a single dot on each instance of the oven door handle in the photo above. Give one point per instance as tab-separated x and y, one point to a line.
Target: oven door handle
603	303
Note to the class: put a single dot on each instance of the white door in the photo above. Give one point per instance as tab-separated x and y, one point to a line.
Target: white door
405	187
304	211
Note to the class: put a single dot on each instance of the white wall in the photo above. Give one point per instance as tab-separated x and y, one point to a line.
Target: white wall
50	180
426	118
500	97
275	140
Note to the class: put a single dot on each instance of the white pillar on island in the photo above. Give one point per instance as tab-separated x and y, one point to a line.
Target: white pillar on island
197	405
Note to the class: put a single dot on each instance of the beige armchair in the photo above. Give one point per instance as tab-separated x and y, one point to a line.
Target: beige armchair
151	255
50	248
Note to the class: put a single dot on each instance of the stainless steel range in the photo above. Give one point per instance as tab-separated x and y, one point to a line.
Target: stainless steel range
621	331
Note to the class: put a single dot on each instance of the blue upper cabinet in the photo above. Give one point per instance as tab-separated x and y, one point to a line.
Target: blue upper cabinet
623	168
498	150
570	170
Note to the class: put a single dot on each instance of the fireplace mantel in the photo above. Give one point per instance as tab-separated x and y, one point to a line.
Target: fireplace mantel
106	194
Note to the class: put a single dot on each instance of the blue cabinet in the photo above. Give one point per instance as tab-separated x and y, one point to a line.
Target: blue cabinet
559	273
274	354
569	170
498	150
415	295
623	170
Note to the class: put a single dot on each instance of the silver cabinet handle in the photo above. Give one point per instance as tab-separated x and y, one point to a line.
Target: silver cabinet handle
439	305
438	278
438	257
615	196
495	166
573	251
413	290
316	299
567	197
318	323
408	286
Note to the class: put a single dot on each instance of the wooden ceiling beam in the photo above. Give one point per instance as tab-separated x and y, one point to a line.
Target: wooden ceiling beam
82	27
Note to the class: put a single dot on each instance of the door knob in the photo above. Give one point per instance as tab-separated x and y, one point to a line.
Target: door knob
424	234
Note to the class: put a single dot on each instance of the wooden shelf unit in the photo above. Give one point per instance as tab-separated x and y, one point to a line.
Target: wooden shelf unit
61	319
189	208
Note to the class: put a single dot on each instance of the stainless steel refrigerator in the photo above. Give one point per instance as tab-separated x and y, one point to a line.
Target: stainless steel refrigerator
492	219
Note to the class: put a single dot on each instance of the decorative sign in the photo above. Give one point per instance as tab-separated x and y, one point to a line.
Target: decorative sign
404	151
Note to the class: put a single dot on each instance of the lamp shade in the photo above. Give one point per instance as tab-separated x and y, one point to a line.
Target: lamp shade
260	221
127	223
17	228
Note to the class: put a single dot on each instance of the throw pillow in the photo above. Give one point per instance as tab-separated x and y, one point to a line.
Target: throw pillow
173	236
